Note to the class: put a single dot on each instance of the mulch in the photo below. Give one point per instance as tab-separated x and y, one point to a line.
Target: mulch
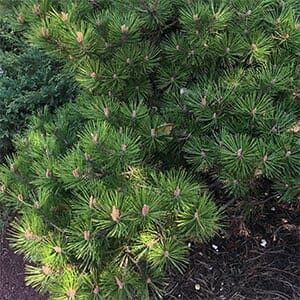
254	259
12	286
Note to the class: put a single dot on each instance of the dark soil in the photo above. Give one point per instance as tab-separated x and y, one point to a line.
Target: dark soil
242	267
12	286
236	265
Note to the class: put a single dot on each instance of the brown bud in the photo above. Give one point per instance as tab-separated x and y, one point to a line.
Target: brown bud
106	112
150	244
120	284
87	235
195	17
13	168
124	28
28	235
166	253
49	173
36	9
288	154
196	215
153	132
64	16
96	290
258	172
76	173
145	210
177	192
239	153
25	141
87	156
46	270
204	101
71	293
133	115
20	198
79	37
115	214
20	19
37	205
2	188
296	128
95	138
274	129
57	249
148	280
92	202
265	158
123	147
44	32
93	75
253	47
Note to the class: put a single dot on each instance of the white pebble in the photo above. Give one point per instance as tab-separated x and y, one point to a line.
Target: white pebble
197	287
263	243
215	247
273	208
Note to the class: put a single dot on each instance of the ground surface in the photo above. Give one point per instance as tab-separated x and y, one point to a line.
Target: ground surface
12	285
257	259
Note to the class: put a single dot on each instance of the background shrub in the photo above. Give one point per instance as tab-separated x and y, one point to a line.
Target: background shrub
29	79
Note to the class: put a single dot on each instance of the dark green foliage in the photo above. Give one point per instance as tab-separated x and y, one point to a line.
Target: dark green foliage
29	80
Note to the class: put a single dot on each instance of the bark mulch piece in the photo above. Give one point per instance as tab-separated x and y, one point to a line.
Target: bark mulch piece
12	286
257	260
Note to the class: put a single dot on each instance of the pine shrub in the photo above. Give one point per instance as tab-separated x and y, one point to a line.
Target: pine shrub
212	86
224	74
98	222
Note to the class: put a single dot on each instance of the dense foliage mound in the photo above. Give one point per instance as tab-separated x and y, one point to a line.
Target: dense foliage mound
96	222
225	74
106	207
